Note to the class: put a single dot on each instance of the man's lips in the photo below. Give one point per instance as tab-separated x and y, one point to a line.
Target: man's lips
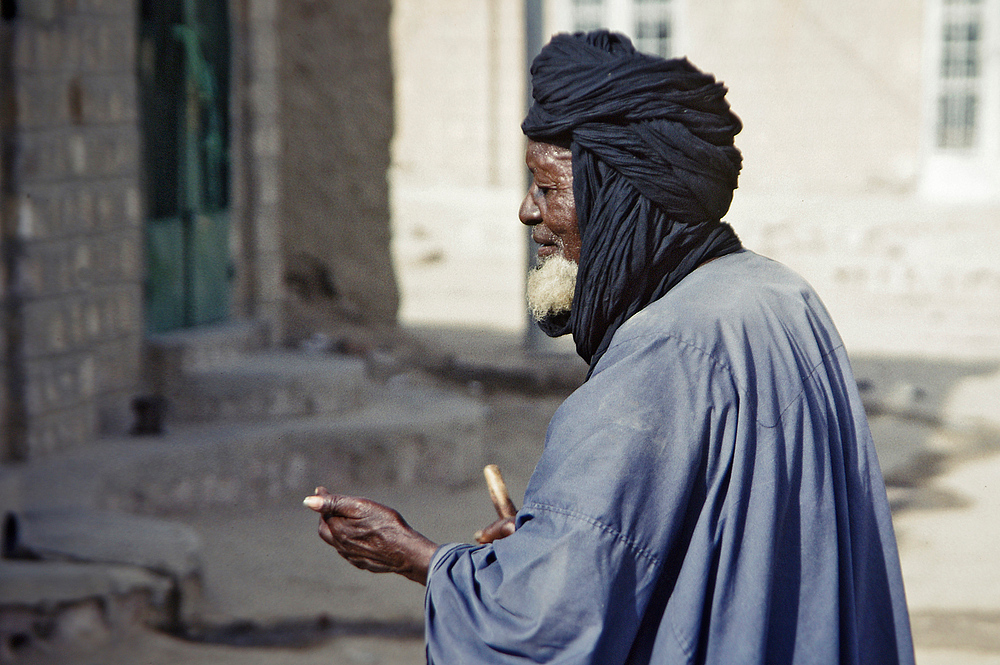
547	245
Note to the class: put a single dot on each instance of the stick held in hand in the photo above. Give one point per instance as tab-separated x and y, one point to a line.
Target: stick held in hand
498	491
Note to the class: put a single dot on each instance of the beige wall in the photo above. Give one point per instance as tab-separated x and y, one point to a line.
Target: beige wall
831	96
457	161
830	93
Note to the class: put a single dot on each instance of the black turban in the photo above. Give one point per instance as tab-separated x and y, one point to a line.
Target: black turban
654	169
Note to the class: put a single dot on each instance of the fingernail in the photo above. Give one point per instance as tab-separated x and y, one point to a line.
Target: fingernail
313	502
477	535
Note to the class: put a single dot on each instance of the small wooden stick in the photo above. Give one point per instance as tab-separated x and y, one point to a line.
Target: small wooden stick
498	491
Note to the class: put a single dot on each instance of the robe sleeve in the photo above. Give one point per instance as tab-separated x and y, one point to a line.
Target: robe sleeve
625	457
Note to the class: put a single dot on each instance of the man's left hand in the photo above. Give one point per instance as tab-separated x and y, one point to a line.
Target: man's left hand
372	536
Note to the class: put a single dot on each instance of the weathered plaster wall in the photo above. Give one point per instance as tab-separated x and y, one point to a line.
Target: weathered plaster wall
458	169
337	115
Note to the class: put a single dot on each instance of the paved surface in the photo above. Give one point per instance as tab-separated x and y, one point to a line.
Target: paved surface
274	593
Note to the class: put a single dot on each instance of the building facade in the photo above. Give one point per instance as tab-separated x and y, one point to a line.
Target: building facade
870	142
139	196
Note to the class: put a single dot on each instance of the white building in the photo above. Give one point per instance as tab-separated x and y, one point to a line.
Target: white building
871	148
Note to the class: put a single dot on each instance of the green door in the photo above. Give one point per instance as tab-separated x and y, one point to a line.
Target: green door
184	97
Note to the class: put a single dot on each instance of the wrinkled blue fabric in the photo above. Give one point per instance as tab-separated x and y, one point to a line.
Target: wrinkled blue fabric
710	495
654	169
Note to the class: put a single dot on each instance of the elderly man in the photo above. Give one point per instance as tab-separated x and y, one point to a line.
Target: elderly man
711	493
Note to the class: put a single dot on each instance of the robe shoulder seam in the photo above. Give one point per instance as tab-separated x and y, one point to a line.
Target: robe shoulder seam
691	345
727	368
806	377
631	544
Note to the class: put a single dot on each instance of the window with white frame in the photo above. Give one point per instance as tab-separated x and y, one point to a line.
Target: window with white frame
649	23
958	102
962	100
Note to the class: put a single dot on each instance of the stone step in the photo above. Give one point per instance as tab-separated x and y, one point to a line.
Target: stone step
70	573
412	434
53	602
204	347
269	385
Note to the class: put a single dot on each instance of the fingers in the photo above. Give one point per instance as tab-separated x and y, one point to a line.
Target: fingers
500	529
325	503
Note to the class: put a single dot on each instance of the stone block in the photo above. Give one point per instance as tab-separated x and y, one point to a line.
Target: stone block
127	247
41	156
108	44
51	156
79	208
106	99
104	7
109	152
76	321
60	431
59	382
45	603
110	538
72	263
113	204
48	321
41	101
117	364
39	48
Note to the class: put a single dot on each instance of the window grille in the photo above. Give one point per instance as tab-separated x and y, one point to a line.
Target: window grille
649	23
958	103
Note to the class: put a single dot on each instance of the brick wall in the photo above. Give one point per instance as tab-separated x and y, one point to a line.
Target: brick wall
71	212
74	230
6	107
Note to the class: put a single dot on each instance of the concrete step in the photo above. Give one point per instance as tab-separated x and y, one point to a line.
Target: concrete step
53	602
204	347
247	428
268	385
411	434
71	573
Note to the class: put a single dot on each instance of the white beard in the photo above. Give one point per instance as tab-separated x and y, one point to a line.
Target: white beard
550	286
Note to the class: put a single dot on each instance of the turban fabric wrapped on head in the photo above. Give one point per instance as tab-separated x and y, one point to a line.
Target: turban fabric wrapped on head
654	169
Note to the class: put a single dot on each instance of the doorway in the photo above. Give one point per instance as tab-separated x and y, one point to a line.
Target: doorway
183	70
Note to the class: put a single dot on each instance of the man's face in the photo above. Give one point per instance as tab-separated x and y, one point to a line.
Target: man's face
549	206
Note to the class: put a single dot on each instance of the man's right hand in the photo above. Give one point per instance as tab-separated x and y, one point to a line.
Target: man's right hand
502	528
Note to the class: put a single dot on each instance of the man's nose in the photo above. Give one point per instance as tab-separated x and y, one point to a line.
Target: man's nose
529	213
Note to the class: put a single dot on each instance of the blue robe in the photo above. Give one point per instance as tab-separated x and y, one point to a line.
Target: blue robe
710	495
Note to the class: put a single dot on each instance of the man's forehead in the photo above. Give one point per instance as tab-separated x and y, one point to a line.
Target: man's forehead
547	156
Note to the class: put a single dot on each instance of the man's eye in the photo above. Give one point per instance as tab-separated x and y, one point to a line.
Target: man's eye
542	190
